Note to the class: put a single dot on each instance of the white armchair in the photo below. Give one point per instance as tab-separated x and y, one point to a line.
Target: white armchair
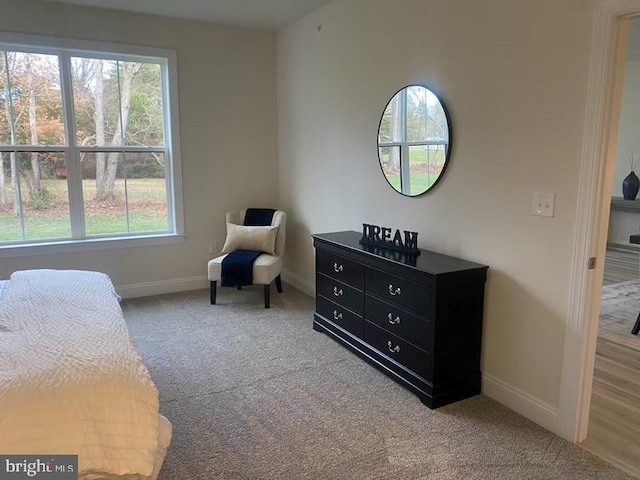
266	267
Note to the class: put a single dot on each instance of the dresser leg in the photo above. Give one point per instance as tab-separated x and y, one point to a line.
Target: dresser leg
212	288
267	296
426	401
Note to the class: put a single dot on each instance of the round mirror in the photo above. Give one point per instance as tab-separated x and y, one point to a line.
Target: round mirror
414	139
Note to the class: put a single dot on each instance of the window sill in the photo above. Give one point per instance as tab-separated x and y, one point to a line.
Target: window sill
88	245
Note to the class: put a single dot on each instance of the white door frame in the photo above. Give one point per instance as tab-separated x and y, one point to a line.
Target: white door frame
604	92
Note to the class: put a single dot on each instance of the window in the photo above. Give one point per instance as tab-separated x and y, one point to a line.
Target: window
85	146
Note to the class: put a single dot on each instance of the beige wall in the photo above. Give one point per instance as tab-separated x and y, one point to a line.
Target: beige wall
513	74
227	96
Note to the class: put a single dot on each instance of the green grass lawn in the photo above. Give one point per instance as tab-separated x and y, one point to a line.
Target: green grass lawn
147	212
418	183
41	226
423	169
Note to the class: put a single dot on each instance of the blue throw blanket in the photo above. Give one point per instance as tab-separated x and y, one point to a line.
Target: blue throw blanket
259	217
237	267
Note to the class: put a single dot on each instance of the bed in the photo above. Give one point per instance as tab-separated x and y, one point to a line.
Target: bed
3	288
71	380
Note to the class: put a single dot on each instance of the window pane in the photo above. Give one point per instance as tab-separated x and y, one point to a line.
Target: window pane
112	96
390	162
103	189
390	124
96	101
10	215
35	106
425	166
147	192
39	203
426	120
124	193
145	122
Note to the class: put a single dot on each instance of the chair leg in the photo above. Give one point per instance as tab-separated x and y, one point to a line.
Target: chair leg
279	284
239	287
212	288
267	296
636	327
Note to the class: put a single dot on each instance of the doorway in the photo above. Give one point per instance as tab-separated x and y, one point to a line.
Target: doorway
605	82
614	417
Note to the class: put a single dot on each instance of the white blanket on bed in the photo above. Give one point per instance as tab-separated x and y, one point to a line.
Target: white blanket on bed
71	381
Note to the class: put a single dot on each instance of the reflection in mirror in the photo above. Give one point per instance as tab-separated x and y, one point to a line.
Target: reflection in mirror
414	140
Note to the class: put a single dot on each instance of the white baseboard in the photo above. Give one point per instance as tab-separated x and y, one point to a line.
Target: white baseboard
526	405
173	285
299	283
146	289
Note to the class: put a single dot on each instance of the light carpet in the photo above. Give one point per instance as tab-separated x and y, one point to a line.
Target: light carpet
257	394
619	309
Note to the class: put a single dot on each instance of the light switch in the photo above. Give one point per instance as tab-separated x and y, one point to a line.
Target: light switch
543	204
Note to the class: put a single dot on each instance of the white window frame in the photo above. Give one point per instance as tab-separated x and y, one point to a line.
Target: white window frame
66	48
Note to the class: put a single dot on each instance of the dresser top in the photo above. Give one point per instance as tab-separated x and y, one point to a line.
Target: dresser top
429	262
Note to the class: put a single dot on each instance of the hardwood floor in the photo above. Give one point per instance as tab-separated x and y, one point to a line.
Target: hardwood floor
620	266
614	419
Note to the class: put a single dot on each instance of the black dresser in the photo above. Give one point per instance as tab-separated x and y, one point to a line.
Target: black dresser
416	318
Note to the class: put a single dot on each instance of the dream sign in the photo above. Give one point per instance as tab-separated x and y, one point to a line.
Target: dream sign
381	237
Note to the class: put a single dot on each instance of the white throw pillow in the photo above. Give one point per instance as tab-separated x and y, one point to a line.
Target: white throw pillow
241	237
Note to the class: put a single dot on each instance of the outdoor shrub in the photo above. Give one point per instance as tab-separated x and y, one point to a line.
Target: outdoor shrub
42	200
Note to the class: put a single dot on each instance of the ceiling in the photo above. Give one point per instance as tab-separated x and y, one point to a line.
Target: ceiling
267	14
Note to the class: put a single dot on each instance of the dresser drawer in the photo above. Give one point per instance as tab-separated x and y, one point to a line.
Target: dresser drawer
340	293
394	347
418	330
340	268
409	295
340	316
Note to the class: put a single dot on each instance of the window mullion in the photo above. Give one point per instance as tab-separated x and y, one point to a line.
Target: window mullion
405	161
74	168
170	184
122	142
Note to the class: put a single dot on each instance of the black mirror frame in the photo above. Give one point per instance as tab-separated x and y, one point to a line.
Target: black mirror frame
449	144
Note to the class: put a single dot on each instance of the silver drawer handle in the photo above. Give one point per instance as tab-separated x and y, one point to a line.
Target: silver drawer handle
337	292
392	320
394	291
393	349
337	268
336	315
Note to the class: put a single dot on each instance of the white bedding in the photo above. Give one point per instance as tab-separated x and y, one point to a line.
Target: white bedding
71	380
3	288
164	439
